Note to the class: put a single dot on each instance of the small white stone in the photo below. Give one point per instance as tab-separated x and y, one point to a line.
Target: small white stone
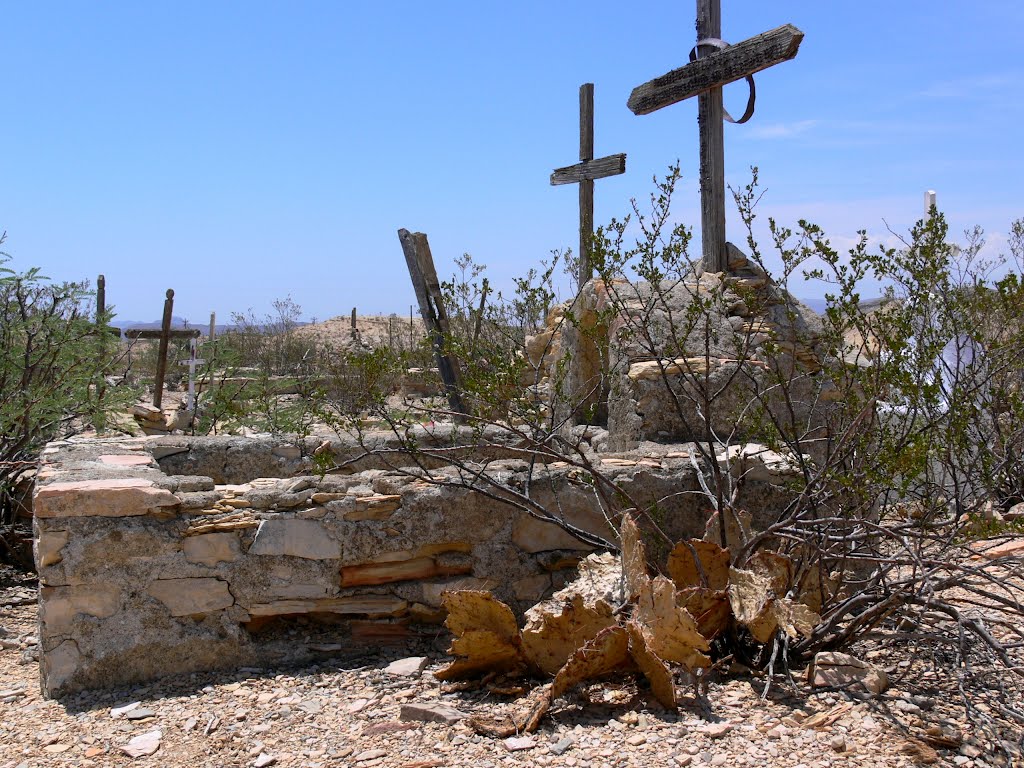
410	667
142	745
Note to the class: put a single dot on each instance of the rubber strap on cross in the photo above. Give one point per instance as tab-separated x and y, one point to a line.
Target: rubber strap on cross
714	42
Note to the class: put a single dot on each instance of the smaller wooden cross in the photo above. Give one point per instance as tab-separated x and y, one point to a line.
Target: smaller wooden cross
165	334
193	362
704	77
584	173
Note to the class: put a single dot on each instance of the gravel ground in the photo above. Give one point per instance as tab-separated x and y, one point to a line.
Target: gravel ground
348	712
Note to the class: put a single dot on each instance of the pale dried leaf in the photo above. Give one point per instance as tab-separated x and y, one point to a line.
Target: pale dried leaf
670	632
486	636
549	640
473	609
737	528
480	651
606	653
697	563
794	618
813	590
750	597
634	556
776	567
654	669
710	609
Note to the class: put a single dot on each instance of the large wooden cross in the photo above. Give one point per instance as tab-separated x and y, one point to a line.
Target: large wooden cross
713	65
584	173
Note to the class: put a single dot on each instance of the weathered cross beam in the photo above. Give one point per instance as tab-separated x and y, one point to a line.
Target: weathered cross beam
584	173
428	293
713	65
165	334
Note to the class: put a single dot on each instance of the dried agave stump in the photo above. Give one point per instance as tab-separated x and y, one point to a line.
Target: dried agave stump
170	554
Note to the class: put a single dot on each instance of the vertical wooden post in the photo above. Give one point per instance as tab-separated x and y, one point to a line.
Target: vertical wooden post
101	299
428	294
712	151
161	360
586	270
480	313
354	332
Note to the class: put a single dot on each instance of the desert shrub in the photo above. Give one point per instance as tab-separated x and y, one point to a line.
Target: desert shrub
52	367
892	427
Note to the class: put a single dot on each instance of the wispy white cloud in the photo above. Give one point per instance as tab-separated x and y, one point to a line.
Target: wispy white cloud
781	130
975	86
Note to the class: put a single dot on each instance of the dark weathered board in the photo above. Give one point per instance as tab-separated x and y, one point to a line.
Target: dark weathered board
589	169
427	287
717	69
156	333
161	360
710	112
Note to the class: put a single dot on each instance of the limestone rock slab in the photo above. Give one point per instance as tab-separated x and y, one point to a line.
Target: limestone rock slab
211	548
841	670
187	597
58	606
533	535
59	666
118	497
309	539
48	546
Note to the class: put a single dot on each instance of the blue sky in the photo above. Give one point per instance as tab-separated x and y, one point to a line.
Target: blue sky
242	152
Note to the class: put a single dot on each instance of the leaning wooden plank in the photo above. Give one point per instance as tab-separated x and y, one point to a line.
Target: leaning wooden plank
717	69
428	293
589	169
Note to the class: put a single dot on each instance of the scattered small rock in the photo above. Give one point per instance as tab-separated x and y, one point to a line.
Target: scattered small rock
519	743
410	667
123	710
840	670
432	713
717	730
142	745
561	746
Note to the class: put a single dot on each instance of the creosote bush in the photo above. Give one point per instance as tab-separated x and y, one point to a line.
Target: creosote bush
890	428
54	359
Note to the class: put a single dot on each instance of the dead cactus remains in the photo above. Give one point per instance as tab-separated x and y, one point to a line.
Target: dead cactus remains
615	618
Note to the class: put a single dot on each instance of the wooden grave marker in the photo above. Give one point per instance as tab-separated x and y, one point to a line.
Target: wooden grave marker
428	293
584	173
713	64
165	334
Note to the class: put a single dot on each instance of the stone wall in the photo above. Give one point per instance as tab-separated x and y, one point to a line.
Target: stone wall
171	554
145	573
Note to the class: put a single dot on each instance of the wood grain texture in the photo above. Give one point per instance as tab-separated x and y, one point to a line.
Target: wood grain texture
589	169
161	360
156	333
713	70
587	121
428	293
712	150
